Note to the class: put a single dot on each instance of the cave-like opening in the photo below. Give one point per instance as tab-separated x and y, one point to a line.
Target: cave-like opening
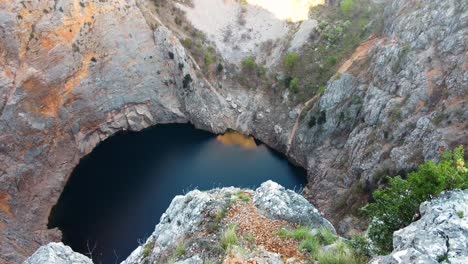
117	193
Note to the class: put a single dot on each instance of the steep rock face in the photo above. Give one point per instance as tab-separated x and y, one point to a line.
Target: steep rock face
75	72
441	235
57	253
72	74
400	99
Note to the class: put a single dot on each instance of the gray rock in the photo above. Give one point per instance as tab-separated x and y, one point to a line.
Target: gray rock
193	260
275	202
181	218
440	235
57	253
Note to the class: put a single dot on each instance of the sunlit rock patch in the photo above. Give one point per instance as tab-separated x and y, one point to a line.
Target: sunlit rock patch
291	10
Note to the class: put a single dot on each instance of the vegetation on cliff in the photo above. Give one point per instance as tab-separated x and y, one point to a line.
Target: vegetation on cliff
340	30
396	206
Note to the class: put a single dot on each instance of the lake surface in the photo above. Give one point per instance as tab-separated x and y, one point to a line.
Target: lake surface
117	194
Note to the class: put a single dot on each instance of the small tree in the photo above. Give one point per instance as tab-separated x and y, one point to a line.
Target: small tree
290	61
294	85
394	206
346	6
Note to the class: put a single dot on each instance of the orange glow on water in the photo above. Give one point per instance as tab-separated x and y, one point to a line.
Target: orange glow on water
235	138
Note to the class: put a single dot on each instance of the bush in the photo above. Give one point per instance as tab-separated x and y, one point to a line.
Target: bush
294	85
307	241
326	236
179	251
290	60
299	233
249	64
148	248
332	60
361	245
346	6
310	244
229	238
394	206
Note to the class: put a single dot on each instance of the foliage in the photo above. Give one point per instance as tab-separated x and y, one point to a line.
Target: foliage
361	245
252	75
326	236
394	206
147	248
249	64
179	250
307	241
340	252
339	257
293	85
310	244
346	6
242	196
229	237
290	61
332	42
460	214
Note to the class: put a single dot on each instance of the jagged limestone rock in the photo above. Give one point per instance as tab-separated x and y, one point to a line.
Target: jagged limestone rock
276	202
57	253
441	235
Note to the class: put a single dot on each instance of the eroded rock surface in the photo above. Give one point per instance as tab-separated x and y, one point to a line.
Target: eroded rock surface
57	253
440	236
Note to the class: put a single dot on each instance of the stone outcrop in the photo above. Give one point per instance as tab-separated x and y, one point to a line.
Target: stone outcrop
440	236
274	201
189	216
73	73
57	253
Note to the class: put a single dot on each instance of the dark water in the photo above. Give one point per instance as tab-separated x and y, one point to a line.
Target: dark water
117	194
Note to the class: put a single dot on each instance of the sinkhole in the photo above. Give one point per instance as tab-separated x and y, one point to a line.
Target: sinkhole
117	194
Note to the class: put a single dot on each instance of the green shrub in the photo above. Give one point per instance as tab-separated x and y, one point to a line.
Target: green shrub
294	85
346	6
229	238
249	64
332	60
179	250
299	233
242	196
331	257
307	241
321	89
361	245
290	61
148	248
326	236
394	206
460	214
187	43
341	253
310	244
